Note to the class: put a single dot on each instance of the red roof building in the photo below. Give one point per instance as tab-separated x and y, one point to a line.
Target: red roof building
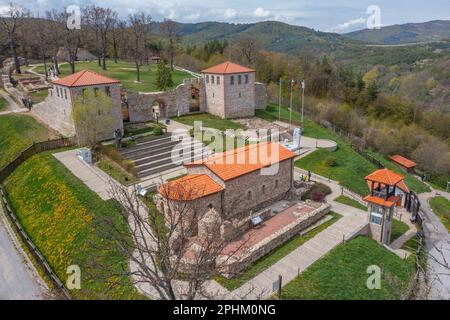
85	78
403	162
227	67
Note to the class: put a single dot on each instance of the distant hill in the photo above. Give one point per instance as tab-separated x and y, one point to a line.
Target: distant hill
436	30
273	35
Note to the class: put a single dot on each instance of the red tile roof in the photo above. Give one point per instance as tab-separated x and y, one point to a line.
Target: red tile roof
235	163
84	78
227	68
385	176
403	161
190	187
389	203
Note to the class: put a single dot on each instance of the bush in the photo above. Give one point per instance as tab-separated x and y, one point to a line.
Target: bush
330	161
317	196
158	131
114	155
318	192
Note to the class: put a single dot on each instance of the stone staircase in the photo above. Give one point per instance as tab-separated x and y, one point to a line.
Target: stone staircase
155	155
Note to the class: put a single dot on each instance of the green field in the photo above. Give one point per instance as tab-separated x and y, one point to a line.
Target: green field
342	274
125	72
3	104
17	133
349	167
275	255
441	207
209	121
350	202
66	221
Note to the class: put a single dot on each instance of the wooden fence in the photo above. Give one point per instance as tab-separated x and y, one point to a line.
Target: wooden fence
35	148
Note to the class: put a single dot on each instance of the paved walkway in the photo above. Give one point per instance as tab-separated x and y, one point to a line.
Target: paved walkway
19	279
13	106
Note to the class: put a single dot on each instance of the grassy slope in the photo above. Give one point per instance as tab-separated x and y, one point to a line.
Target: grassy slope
125	72
60	214
341	274
275	255
441	207
350	202
351	168
398	229
16	134
3	104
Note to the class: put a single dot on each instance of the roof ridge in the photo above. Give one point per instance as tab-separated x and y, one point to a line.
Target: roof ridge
82	72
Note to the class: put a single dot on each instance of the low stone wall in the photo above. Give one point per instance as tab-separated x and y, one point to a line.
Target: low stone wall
236	264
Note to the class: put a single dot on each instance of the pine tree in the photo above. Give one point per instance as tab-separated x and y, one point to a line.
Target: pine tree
163	76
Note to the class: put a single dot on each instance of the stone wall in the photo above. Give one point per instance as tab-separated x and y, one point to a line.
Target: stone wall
264	189
141	104
260	96
239	98
235	264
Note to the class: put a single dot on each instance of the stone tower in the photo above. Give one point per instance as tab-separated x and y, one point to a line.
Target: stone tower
230	90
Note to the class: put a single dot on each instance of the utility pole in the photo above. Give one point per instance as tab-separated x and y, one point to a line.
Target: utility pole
279	103
303	100
290	108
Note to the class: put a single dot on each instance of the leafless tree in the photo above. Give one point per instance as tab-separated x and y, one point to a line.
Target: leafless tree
171	31
247	47
102	20
42	41
117	37
10	23
55	34
158	244
139	24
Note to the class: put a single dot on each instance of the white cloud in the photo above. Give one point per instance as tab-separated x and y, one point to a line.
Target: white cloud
347	25
261	13
230	13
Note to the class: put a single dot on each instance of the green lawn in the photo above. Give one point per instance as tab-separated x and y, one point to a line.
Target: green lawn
3	104
66	221
115	171
441	207
209	121
139	128
125	72
342	274
275	255
38	96
16	134
350	202
350	168
398	229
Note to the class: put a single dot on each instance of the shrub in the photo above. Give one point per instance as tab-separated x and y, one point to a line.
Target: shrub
318	192
114	155
330	161
158	131
317	196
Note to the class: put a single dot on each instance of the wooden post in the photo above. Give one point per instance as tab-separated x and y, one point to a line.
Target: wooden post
280	279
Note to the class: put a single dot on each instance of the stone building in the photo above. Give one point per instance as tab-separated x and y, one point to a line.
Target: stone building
236	183
56	109
227	90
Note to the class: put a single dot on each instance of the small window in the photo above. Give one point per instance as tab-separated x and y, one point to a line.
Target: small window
207	78
232	80
240	95
212	79
65	94
96	92
276	184
263	189
239	79
57	91
108	91
249	195
84	91
246	78
218	80
213	94
376	218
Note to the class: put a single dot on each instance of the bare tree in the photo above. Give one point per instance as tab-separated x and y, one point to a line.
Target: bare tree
102	20
140	28
247	47
117	37
160	243
54	35
10	23
42	41
171	31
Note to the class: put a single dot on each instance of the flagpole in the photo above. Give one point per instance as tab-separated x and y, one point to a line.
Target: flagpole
303	99
290	110
279	103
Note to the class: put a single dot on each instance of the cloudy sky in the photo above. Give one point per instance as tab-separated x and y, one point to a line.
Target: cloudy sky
331	15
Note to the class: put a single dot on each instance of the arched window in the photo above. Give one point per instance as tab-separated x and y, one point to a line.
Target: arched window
207	78
263	189
249	195
276	184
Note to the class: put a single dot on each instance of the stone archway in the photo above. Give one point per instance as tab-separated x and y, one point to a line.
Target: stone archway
158	109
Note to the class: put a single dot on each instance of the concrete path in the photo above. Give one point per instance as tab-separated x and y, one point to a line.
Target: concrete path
19	279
